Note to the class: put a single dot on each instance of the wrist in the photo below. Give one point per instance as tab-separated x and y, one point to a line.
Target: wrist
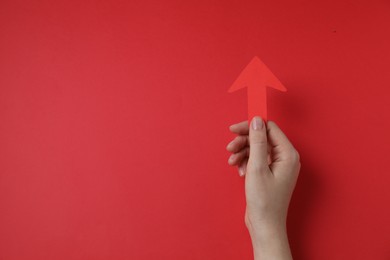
266	231
270	241
263	227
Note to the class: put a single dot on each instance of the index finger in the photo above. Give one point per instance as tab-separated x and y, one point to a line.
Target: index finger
241	128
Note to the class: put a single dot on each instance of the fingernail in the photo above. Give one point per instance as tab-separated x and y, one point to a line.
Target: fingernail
228	145
240	171
230	159
257	123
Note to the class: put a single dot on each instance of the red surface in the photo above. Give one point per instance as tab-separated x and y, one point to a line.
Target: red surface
115	114
256	77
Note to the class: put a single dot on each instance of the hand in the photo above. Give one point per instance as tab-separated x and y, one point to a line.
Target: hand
271	166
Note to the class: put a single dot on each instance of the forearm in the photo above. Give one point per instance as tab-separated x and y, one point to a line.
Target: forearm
271	243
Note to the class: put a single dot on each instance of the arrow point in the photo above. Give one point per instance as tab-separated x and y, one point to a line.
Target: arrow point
256	72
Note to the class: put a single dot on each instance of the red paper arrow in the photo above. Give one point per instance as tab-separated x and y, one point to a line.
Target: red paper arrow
257	77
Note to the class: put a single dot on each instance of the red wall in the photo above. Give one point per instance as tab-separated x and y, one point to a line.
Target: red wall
115	114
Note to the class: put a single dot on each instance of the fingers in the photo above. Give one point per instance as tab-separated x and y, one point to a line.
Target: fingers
263	148
281	147
240	128
258	155
285	157
237	158
238	144
242	167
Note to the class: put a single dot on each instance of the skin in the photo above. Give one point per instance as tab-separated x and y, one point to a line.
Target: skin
270	165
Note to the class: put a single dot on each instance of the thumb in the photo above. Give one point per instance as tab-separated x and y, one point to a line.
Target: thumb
258	153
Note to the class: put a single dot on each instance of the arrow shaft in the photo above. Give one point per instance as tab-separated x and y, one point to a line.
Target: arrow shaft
257	102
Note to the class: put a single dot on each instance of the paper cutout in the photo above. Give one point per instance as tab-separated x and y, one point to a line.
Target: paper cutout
257	77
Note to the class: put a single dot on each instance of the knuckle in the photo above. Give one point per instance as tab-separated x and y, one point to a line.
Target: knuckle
293	156
258	141
297	156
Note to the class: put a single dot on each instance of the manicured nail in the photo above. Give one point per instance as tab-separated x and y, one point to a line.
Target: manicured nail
257	123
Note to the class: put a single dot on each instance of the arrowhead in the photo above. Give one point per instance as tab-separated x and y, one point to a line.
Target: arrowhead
257	74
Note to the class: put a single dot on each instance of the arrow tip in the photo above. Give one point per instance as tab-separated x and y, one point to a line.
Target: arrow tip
257	73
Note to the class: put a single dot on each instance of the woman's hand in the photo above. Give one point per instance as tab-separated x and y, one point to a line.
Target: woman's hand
271	166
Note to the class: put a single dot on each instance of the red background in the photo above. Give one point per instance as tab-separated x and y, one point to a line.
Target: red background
115	114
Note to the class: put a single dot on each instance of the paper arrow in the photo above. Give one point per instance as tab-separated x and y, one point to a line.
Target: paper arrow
257	77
